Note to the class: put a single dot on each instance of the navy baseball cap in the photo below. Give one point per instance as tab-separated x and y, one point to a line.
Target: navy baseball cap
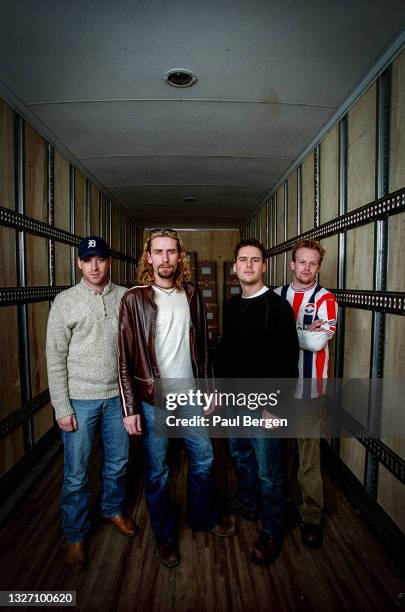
94	245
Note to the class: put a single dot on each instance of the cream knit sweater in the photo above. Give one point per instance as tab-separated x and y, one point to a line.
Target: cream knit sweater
81	345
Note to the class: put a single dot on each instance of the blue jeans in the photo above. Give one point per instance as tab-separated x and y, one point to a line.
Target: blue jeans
90	415
259	467
200	491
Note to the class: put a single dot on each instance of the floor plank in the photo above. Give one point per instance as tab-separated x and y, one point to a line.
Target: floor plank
351	571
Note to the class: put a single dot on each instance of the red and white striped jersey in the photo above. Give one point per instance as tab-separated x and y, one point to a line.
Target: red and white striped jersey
308	305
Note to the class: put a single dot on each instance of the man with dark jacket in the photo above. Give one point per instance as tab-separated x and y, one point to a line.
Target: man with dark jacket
163	336
259	341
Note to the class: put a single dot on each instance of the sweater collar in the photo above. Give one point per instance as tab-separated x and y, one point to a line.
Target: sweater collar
106	289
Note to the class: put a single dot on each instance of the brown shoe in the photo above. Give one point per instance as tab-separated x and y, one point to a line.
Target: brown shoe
226	528
168	554
124	524
267	549
75	557
311	535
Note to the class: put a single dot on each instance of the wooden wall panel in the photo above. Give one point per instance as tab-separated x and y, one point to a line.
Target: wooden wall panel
215	245
11	450
279	269
280	216
308	193
37	321
396	260
8	270
263	217
42	421
397	152
10	393
37	260
360	259
356	365
329	179
61	192
393	417
357	343
36	155
94	211
115	228
391	496
6	155
292	206
353	454
62	264
80	204
328	271
361	150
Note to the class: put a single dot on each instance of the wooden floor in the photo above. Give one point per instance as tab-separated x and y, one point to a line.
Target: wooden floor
350	571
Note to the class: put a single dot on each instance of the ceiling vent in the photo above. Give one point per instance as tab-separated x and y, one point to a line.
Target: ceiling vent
180	78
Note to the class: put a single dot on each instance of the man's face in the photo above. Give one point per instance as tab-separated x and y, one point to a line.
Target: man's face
163	257
249	265
95	271
305	267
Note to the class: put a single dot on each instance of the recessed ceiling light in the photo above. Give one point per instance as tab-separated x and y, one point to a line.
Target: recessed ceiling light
179	77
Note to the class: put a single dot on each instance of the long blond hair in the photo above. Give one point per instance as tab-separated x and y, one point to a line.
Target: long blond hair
145	271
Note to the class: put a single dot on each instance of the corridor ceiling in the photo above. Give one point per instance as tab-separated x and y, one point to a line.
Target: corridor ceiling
270	73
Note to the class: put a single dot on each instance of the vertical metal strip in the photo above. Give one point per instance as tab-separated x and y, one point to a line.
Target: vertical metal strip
72	224
109	218
22	309
380	273
317	184
101	214
299	199
266	238
275	236
88	207
285	230
341	272
51	213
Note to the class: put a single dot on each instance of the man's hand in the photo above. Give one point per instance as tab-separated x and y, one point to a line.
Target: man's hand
133	424
316	326
68	423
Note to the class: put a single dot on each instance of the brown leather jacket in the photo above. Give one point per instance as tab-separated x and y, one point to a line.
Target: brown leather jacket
137	366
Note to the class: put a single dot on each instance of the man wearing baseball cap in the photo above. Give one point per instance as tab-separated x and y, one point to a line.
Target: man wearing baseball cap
83	383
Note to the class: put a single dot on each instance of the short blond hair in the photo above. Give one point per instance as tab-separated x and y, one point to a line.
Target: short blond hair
308	243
